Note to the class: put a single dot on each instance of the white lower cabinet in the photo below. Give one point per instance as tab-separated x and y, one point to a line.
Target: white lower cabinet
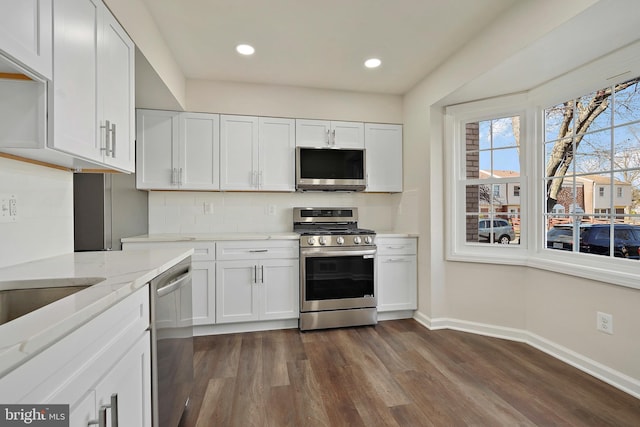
106	361
203	280
256	281
123	394
397	274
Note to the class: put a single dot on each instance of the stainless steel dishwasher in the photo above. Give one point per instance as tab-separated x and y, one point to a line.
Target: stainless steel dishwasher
171	344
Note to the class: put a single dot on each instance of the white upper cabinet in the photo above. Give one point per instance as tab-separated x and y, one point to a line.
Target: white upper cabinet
157	151
91	99
25	34
199	144
177	150
383	145
257	153
323	133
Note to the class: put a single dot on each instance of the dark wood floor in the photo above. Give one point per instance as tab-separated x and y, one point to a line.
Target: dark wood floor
394	374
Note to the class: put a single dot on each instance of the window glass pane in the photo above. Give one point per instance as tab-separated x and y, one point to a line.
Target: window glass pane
485	135
472	229
472	164
626	152
593	152
597	105
554	156
505	132
562	233
626	102
485	164
565	196
558	121
506	160
477	198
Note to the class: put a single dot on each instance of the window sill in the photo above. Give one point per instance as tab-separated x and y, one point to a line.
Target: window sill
590	268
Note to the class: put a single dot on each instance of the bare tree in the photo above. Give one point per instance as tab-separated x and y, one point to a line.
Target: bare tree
577	117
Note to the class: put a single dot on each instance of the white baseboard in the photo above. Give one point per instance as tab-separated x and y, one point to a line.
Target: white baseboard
395	315
617	379
233	328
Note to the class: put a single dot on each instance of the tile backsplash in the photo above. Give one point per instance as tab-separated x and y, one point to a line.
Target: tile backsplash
44	225
214	212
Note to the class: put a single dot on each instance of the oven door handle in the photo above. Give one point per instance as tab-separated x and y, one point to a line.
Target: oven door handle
367	253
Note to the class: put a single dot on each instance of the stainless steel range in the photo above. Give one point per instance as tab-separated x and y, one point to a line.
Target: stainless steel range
337	269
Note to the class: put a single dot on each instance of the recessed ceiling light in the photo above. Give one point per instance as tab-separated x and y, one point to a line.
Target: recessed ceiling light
245	49
372	63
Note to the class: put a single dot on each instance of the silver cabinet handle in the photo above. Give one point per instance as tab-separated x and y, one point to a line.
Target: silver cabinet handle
328	137
107	139
262	274
395	247
114	410
102	415
333	133
180	176
255	274
113	141
396	260
174	284
254	251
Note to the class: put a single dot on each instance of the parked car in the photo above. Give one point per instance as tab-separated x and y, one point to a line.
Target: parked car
595	239
626	240
502	231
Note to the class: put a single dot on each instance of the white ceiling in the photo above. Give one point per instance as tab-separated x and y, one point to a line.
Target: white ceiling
320	43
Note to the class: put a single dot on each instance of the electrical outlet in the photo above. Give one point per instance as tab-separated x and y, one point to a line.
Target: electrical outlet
271	210
605	322
8	208
208	208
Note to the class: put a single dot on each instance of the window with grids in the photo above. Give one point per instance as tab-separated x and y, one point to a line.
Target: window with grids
592	172
492	181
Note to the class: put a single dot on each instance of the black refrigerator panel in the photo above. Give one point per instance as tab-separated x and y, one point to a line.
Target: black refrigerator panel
92	212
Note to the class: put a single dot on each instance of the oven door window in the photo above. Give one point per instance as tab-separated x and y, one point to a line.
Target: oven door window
338	277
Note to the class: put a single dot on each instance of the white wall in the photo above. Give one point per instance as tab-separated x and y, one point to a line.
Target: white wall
290	101
45	212
555	311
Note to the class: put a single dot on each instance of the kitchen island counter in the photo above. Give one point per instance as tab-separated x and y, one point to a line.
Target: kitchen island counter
116	275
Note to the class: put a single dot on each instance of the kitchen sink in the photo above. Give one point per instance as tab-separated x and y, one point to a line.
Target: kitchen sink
20	297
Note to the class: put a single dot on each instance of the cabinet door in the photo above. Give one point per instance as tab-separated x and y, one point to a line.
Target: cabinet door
199	151
25	33
204	292
73	93
235	296
157	150
347	134
397	283
84	411
384	157
130	381
277	154
238	152
312	133
278	283
116	93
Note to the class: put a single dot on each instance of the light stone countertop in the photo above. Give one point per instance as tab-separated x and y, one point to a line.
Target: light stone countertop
118	273
194	237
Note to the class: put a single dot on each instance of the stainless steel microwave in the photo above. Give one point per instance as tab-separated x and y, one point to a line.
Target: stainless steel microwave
330	169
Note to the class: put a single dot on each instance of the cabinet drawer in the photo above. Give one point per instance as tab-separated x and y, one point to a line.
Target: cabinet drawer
202	251
397	246
256	249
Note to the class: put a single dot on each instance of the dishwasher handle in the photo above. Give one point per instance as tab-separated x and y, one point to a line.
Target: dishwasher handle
174	284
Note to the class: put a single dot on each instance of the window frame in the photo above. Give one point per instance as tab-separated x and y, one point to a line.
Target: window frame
531	251
456	117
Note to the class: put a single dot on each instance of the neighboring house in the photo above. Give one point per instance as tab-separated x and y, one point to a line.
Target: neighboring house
506	196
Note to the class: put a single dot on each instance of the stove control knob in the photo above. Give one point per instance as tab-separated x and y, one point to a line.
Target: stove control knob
357	240
340	240
368	240
323	240
311	241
